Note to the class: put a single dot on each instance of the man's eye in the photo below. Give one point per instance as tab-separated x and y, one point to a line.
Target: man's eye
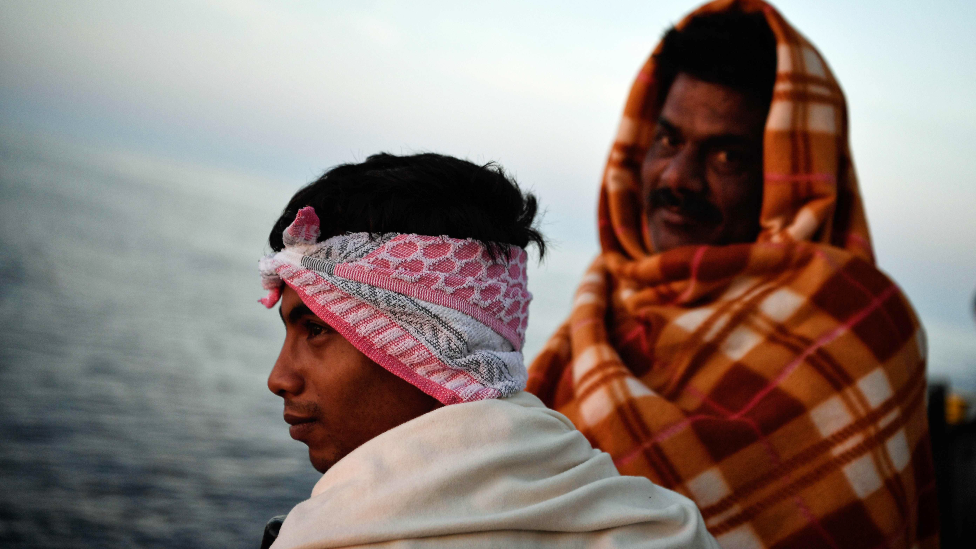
315	329
666	140
727	161
726	156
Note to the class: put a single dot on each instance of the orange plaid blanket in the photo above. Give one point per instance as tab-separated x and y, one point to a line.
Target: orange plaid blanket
781	384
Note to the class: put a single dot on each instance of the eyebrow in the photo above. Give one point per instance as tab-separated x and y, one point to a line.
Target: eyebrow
710	141
667	125
296	313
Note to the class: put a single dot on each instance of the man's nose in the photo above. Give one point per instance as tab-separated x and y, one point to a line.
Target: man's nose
684	173
284	379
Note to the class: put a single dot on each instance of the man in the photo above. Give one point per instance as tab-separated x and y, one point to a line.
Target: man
402	283
734	341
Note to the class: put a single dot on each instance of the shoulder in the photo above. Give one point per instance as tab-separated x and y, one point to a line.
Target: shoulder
856	293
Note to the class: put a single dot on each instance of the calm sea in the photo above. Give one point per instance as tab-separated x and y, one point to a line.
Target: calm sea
133	357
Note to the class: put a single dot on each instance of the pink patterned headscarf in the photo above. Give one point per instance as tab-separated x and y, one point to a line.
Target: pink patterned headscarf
438	312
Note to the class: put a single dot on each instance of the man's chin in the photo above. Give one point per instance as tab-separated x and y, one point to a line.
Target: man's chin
666	237
321	463
324	456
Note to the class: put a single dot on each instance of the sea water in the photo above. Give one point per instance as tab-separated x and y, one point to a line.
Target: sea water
134	355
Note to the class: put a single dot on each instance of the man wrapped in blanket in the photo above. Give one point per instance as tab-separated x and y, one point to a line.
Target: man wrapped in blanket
402	283
734	340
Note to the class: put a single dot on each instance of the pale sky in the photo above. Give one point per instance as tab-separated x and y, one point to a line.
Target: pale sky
278	92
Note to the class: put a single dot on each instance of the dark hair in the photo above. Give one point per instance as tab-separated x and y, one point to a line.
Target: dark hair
731	48
429	194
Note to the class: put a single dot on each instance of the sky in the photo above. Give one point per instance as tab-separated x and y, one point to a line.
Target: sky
273	93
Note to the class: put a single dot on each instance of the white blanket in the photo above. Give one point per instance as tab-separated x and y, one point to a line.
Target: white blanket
492	473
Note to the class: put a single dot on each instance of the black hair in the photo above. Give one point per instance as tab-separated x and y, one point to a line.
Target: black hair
428	194
731	48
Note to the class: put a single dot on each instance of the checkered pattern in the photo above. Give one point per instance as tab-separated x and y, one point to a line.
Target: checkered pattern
779	384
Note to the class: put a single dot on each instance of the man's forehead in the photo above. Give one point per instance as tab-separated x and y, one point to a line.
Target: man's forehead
704	108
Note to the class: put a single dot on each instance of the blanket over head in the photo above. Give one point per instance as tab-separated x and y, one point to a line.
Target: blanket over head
439	312
493	473
781	384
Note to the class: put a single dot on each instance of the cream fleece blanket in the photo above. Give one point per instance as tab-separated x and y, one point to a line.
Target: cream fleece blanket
492	473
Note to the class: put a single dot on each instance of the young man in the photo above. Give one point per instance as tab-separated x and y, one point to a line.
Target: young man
734	341
402	283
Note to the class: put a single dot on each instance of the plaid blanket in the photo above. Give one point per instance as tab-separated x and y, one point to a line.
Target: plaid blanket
780	384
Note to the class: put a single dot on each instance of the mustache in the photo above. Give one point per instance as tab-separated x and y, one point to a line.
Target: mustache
691	204
307	409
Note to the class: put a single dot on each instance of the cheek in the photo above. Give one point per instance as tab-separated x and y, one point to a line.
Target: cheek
740	201
650	171
336	372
